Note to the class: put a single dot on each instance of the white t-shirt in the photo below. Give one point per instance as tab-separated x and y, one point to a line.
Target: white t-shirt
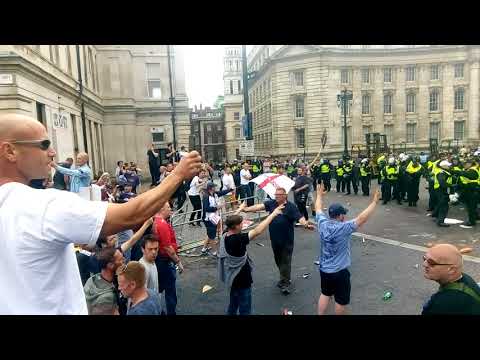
38	268
228	182
151	274
244	173
193	191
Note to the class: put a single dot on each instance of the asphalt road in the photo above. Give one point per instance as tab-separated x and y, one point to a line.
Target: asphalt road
376	266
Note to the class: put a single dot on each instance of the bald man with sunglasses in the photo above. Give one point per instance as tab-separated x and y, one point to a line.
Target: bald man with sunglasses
38	267
458	294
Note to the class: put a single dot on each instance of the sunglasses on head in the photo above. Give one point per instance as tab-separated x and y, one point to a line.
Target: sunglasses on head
122	269
42	144
432	262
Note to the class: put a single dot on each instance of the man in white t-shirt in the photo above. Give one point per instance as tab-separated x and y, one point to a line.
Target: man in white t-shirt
245	177
229	184
150	252
39	227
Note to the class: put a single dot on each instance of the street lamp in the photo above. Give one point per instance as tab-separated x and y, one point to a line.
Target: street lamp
344	99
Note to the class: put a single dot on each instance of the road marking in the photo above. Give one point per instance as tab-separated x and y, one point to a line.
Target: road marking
406	245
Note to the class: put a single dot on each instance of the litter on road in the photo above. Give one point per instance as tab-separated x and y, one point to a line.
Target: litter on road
317	262
306	275
206	288
260	244
387	295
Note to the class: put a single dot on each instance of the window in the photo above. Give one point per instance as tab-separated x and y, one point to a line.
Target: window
434	130
411	99
410	73
41	116
458	71
344	76
387	104
69	59
153	81
459	96
434	97
434	75
158	137
237	65
299	108
411	133
92	67
388	130
365	104
387	75
239	86
237	133
347	46
231	86
298	78
365	46
366	130
365	76
459	130
300	137
236	116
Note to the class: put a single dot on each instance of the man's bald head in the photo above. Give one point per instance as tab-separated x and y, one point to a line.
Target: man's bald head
18	127
447	254
21	157
443	264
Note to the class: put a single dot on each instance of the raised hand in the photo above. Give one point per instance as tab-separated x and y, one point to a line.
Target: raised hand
376	195
189	166
321	189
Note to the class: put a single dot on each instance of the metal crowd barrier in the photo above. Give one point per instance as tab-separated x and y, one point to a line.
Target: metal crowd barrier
181	217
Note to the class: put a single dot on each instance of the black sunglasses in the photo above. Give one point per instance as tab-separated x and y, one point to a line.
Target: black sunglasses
42	144
432	262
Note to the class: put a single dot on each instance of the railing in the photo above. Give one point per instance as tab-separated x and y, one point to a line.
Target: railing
180	218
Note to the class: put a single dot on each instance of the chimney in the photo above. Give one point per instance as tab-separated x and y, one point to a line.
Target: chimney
200	106
195	108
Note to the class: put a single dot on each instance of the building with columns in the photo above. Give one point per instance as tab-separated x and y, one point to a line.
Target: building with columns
124	90
233	101
409	93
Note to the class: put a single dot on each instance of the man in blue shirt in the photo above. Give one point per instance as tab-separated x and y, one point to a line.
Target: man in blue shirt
335	235
81	176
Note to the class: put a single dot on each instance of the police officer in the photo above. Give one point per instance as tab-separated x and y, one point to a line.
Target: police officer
325	169
469	186
442	180
455	168
365	173
402	176
347	175
315	174
355	174
429	173
381	162
390	175
340	172
413	173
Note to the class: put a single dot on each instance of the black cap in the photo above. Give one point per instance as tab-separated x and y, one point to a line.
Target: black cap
336	209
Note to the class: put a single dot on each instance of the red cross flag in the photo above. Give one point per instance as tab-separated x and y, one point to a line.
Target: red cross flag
269	182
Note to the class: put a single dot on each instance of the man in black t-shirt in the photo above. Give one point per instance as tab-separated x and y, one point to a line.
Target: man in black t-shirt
235	266
458	294
281	233
153	165
59	179
301	190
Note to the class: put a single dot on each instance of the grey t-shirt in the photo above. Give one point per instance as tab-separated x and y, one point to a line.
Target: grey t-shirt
150	306
151	274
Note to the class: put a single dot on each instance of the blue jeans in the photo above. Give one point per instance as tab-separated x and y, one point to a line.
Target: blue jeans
240	301
167	276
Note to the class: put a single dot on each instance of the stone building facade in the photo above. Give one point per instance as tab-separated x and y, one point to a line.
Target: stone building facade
126	98
408	93
208	134
233	101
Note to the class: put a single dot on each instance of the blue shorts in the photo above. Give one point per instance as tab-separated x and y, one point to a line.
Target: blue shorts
211	230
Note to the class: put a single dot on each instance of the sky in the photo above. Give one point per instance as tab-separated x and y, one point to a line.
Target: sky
204	72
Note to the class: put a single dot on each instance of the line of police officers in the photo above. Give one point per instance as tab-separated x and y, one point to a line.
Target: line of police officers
400	180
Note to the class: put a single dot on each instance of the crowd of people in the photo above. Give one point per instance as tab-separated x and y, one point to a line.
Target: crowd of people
119	256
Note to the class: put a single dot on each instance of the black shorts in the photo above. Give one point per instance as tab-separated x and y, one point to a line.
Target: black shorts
336	284
211	230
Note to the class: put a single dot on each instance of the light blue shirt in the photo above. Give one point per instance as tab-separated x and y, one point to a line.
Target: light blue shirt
335	239
80	177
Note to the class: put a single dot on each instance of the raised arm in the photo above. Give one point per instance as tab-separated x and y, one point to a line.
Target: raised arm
318	199
137	236
260	228
365	214
71	172
136	211
243	207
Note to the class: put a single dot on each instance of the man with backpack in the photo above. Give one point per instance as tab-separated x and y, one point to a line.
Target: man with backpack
458	294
